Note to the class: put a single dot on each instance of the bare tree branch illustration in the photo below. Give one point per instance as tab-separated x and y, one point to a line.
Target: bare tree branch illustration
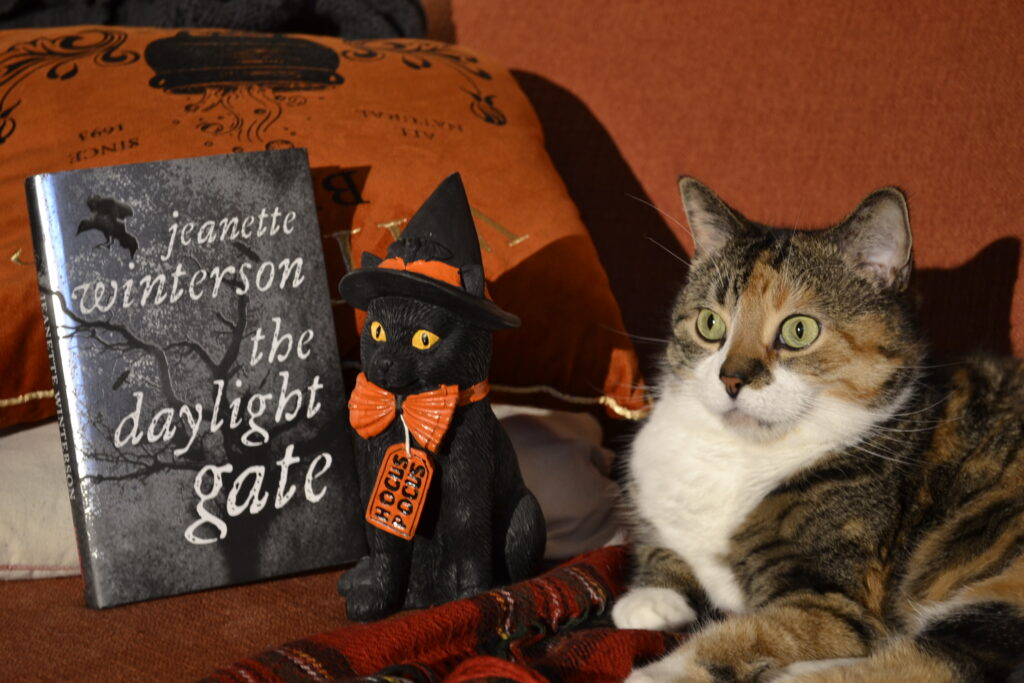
146	459
131	342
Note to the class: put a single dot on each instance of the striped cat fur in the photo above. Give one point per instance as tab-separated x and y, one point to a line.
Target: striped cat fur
854	513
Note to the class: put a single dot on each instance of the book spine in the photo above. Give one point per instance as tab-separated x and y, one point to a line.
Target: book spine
44	232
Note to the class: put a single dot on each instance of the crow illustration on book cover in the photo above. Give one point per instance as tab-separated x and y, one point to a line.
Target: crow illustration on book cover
447	512
108	218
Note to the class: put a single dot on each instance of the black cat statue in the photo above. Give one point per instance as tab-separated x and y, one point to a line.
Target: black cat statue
447	512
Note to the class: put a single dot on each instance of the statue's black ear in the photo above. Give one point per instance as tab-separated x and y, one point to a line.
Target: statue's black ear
370	260
473	278
876	238
711	220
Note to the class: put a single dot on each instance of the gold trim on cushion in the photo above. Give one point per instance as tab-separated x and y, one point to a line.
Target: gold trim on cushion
25	398
16	259
606	401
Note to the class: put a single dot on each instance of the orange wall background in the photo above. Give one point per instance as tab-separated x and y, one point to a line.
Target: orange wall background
792	111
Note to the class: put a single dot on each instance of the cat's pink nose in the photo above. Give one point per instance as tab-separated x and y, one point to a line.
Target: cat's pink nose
732	385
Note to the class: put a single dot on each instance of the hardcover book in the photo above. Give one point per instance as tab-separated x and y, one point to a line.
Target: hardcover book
200	397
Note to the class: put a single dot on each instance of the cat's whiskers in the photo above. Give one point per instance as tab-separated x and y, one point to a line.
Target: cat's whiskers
929	426
667	215
889	457
880	428
885	417
924	409
885	441
697	245
668	251
932	366
630	385
636	337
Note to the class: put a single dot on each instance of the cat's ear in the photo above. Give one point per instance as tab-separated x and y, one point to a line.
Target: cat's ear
712	221
876	238
370	260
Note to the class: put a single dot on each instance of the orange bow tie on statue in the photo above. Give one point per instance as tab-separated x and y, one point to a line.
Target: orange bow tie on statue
371	409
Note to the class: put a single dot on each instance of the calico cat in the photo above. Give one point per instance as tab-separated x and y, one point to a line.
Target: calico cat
855	514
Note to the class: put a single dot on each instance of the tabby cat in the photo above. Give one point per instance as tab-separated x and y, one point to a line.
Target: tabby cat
854	513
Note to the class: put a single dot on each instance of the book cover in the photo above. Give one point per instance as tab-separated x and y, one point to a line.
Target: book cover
200	397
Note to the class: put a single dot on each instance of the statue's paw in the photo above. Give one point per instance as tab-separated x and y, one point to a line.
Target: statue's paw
470	590
420	596
369	594
467	574
369	602
357	575
652	608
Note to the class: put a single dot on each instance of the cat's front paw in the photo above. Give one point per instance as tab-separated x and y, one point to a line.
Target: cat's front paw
825	671
652	608
686	665
678	665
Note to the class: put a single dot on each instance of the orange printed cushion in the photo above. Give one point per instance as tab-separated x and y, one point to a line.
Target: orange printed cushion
384	121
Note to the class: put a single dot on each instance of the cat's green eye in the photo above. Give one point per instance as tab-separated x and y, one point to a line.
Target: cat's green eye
798	331
377	332
424	339
710	325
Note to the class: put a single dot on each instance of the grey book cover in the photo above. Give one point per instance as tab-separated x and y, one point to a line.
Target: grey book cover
200	396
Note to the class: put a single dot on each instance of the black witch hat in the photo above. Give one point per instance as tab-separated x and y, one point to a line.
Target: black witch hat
436	259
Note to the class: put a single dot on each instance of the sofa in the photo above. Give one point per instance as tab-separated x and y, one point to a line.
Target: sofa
792	111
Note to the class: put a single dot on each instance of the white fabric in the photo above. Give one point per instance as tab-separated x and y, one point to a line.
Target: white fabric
37	538
563	463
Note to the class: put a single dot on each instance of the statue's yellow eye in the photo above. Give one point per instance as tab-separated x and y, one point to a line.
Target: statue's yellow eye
710	325
424	339
377	332
798	331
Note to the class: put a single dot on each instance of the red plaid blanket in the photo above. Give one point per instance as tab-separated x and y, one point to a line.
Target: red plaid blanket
555	627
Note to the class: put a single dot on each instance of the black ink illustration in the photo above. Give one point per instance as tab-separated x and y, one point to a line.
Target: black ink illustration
59	56
423	54
239	84
108	218
236	84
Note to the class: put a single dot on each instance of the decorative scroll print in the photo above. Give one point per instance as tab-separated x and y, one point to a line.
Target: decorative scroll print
423	54
58	56
246	112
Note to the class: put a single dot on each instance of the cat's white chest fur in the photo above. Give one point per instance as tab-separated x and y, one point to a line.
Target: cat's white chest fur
696	481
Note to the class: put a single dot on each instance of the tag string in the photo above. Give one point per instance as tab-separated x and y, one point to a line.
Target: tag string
406	428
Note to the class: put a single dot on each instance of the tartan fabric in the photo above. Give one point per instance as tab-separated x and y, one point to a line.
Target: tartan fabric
555	627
